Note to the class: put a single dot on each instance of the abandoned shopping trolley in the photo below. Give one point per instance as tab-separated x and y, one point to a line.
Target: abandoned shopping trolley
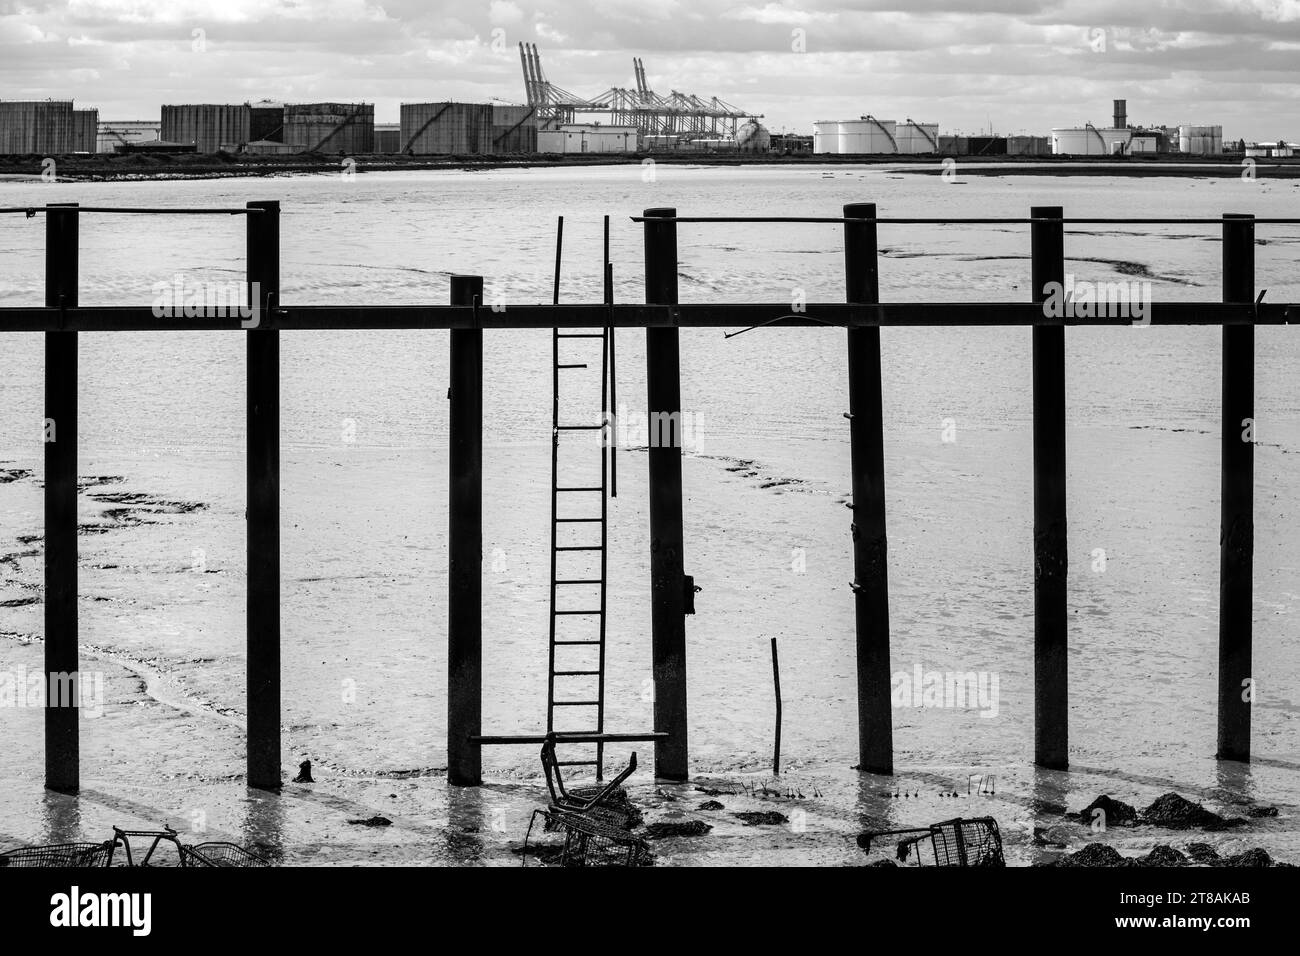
960	842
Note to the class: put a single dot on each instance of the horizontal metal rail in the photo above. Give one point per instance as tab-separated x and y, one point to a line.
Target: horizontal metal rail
137	210
690	315
972	220
571	738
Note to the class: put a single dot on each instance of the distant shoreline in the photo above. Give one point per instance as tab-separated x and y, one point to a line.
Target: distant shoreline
143	166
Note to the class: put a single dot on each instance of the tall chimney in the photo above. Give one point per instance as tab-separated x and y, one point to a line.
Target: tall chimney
1121	114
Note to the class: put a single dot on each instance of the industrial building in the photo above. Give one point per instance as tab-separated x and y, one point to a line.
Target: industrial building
1278	150
467	129
588	138
870	136
343	128
209	127
43	127
115	133
1123	139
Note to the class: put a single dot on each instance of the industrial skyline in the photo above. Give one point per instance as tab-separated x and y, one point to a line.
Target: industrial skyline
1013	67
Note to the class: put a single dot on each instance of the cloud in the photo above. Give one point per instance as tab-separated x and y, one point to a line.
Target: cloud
1017	64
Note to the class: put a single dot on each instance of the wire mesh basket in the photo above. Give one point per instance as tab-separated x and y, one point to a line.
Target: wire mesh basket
60	855
220	854
959	842
590	841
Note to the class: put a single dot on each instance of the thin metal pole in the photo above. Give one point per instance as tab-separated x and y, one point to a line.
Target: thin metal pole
62	678
263	503
1237	529
1051	557
667	575
870	546
776	683
611	333
555	475
465	547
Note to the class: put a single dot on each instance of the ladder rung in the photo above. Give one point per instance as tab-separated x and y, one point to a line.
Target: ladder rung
579	547
578	428
593	488
575	703
580	365
577	763
582	335
577	612
577	520
581	581
559	643
576	673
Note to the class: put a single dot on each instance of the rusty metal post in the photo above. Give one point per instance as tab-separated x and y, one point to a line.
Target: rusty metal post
1051	558
62	677
867	443
1237	528
465	545
668	583
263	437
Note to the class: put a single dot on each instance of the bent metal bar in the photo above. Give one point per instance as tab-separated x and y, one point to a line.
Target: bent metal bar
861	314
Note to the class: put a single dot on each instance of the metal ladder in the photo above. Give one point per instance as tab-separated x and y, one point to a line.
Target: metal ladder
574	684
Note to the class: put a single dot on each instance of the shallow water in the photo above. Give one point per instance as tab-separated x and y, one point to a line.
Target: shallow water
767	533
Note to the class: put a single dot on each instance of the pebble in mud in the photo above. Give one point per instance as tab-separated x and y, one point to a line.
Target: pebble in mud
375	821
711	805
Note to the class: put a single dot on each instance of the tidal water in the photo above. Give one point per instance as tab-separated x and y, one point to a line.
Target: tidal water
364	459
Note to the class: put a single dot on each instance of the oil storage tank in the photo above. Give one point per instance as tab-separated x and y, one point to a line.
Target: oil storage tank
207	126
85	130
868	135
346	128
1200	140
37	126
446	128
1090	141
826	137
514	129
753	137
913	137
266	122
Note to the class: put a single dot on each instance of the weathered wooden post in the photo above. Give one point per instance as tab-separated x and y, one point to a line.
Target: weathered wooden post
465	545
1237	528
867	444
1051	559
62	678
263	419
668	581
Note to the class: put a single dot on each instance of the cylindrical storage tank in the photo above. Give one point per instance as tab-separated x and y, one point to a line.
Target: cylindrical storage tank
514	129
37	126
868	136
1079	141
446	128
826	137
1200	140
85	130
344	128
208	126
913	138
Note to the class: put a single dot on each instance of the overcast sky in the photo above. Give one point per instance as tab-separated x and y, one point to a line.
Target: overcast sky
1018	65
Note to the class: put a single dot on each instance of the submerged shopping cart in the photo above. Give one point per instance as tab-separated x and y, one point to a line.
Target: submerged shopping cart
961	842
102	854
596	821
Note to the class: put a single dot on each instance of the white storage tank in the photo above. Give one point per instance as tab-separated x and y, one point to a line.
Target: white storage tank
913	137
826	137
868	136
1090	141
1200	140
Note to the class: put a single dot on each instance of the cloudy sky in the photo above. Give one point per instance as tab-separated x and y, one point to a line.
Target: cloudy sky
1014	65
